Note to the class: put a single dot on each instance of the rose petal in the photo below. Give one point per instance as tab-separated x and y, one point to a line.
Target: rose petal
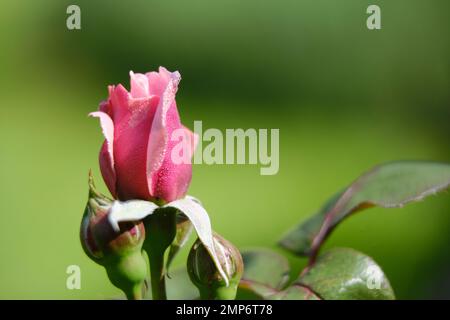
159	133
191	138
139	85
132	131
118	99
106	157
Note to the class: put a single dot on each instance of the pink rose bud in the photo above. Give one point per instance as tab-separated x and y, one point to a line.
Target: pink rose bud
142	130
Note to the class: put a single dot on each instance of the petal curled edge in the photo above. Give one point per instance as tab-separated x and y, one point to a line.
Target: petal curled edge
106	157
159	135
157	81
139	85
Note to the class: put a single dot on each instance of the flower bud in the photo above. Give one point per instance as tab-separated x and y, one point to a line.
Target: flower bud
140	165
119	252
204	274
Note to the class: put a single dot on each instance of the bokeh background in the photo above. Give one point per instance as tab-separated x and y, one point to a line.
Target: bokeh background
344	98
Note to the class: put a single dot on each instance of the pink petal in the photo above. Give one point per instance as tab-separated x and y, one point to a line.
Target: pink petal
118	99
132	129
167	180
105	107
192	138
139	85
172	180
159	135
184	152
107	170
106	157
158	81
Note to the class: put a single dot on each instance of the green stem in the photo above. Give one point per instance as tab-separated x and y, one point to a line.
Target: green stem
128	273
158	281
219	292
160	229
134	293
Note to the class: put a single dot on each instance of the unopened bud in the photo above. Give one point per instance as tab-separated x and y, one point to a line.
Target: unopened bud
204	274
119	252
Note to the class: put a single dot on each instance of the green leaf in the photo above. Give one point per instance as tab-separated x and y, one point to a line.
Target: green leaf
295	292
391	185
265	273
346	274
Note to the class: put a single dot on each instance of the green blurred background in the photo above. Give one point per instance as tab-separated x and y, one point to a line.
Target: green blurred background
344	98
